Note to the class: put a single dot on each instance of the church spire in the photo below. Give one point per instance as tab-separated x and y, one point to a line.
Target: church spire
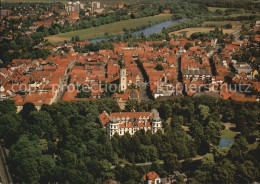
123	76
123	62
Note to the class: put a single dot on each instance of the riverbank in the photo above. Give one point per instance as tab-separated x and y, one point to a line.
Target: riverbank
107	30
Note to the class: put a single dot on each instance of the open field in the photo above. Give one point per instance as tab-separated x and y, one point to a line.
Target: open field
221	23
213	9
189	31
257	14
244	14
228	134
112	29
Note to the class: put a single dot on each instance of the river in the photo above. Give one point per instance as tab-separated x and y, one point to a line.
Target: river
150	30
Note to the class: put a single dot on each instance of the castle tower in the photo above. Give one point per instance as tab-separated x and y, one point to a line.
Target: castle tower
112	127
123	79
156	124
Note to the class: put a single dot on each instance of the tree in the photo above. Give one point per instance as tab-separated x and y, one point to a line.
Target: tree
239	149
27	109
24	159
10	128
170	162
7	106
40	122
166	111
242	36
200	177
246	172
228	26
224	172
77	39
232	37
155	167
43	145
188	45
81	12
204	111
167	37
228	115
84	94
47	162
208	161
132	16
143	154
130	173
159	67
219	152
131	105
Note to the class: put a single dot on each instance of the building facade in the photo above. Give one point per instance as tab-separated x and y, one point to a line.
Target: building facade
122	122
74	6
95	5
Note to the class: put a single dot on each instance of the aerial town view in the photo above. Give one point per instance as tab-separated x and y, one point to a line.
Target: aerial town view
130	92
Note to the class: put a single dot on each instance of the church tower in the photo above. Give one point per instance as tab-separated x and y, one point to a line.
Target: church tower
123	79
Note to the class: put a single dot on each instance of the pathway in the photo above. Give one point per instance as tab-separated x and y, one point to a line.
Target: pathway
4	174
198	157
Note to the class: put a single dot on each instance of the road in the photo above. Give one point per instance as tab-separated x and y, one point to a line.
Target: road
64	82
178	67
237	34
4	173
143	85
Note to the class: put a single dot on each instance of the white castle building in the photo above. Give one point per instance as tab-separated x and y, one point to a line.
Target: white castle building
122	122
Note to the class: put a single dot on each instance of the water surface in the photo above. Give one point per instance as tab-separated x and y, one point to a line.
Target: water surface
225	142
150	30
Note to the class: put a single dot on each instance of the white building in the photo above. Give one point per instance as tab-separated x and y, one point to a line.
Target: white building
95	5
197	73
74	6
122	122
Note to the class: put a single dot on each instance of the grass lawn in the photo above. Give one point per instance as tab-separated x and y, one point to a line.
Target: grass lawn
253	146
257	14
112	29
221	23
228	134
244	14
189	31
213	9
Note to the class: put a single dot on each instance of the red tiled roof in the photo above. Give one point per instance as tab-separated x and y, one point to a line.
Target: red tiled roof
150	176
105	117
